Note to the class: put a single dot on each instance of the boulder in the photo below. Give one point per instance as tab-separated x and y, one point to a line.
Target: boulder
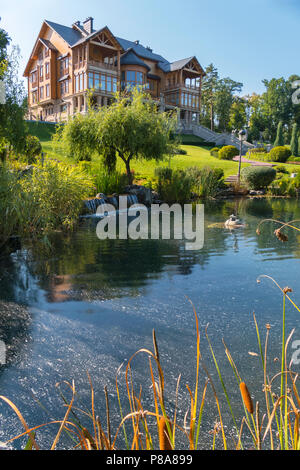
143	194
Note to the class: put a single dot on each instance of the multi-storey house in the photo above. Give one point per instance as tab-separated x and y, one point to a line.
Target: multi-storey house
68	61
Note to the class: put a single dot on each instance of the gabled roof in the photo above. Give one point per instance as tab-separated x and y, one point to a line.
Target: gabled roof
70	35
178	65
96	33
140	50
130	58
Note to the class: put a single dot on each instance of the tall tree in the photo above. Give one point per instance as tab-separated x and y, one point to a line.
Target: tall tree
277	104
238	114
209	88
225	95
279	136
294	141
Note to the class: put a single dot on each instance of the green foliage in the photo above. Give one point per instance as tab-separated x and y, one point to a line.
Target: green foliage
215	152
294	141
279	154
256	150
282	170
282	187
44	199
256	177
293	159
109	182
173	186
32	148
228	152
130	128
279	136
206	181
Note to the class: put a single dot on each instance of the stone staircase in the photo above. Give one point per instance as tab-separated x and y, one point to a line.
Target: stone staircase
208	135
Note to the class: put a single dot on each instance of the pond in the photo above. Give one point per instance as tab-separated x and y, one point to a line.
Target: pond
89	305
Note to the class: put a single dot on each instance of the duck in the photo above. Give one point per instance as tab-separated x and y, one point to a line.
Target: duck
233	221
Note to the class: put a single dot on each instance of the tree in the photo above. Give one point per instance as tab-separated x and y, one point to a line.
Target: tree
279	141
130	128
13	127
294	141
277	105
225	96
209	88
4	42
238	114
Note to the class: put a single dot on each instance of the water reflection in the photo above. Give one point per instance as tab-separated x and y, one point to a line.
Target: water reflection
89	304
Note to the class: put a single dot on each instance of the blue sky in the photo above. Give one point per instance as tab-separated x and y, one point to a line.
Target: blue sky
247	40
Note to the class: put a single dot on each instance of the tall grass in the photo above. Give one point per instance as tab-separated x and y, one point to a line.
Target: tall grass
272	423
48	197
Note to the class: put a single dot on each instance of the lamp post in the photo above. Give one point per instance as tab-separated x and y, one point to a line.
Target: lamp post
242	138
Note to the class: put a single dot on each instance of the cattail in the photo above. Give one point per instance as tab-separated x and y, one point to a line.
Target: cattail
164	440
246	397
281	236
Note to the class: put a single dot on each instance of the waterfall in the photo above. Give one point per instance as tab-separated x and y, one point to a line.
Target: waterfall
93	204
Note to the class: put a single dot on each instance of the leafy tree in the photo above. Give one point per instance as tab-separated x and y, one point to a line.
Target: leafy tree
238	114
130	128
4	42
294	141
276	104
279	141
13	128
225	95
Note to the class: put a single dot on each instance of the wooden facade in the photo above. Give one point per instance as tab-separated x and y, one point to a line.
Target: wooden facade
68	61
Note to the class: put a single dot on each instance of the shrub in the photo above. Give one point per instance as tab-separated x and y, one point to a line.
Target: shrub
10	203
257	150
282	187
281	169
293	159
206	181
228	152
110	182
258	177
32	149
279	154
180	151
215	152
173	186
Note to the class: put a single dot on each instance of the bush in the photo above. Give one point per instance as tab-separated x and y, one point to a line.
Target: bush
206	181
257	150
228	152
173	186
110	182
180	151
282	187
215	152
279	154
281	169
293	159
258	177
32	149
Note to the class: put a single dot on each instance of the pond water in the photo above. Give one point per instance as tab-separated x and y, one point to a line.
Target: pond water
89	305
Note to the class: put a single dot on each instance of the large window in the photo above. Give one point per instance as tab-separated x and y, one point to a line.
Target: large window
80	82
103	82
64	66
64	87
131	78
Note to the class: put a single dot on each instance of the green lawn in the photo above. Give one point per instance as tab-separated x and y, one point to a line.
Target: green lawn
197	155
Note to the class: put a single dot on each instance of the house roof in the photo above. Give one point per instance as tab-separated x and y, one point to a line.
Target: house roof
130	58
74	36
70	35
48	44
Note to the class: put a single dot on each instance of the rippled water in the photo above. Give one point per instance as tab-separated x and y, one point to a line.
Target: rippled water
89	305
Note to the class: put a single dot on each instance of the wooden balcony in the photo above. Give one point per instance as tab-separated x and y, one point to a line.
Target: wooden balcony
102	65
176	86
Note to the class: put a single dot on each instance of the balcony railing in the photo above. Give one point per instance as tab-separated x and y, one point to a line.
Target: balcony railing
102	65
175	86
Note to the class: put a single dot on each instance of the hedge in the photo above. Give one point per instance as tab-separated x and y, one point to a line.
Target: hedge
258	177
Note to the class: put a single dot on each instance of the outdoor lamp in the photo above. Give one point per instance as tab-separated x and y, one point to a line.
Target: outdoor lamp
242	138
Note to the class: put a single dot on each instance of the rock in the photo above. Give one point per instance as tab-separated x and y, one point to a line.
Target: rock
101	196
256	193
143	194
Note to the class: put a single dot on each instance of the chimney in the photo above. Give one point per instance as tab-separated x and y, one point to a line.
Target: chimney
88	25
137	42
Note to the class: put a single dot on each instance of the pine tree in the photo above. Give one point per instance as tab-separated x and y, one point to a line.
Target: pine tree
279	137
294	141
